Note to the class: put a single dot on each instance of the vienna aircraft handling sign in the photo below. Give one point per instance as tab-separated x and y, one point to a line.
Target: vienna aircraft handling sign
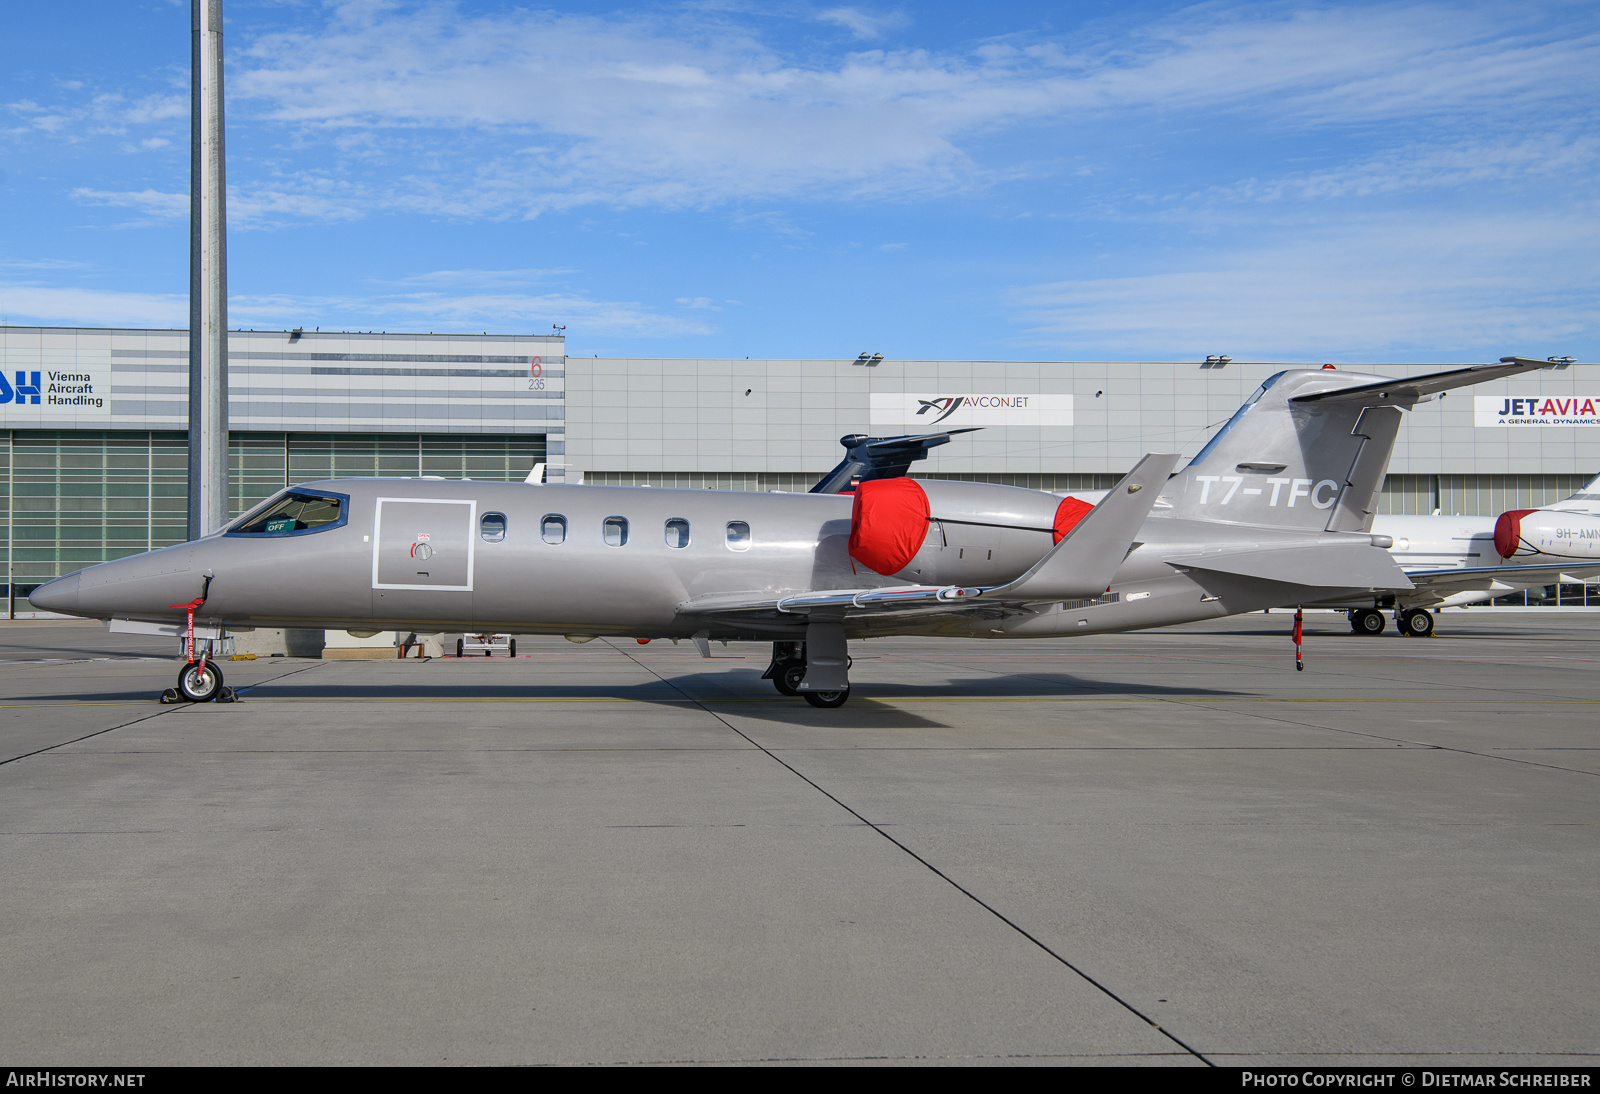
949	410
1504	410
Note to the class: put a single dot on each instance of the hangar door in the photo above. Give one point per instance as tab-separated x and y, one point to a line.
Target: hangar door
423	544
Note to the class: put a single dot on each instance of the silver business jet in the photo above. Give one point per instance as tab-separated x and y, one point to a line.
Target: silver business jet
1276	509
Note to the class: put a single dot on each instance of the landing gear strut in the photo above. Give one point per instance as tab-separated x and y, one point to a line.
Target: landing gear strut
199	681
788	667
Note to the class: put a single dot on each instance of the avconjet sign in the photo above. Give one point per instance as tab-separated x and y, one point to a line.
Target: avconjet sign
949	409
1516	410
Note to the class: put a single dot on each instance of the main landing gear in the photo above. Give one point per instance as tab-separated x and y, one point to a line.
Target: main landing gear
1415	623
1411	622
817	668
1367	621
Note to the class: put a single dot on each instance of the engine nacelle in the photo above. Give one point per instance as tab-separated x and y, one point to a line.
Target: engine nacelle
939	532
1546	533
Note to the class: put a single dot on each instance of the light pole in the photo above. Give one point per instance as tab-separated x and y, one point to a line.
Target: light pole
208	279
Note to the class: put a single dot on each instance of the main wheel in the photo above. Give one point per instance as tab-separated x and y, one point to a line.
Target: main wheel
1418	623
513	650
461	647
827	699
1366	621
787	678
199	681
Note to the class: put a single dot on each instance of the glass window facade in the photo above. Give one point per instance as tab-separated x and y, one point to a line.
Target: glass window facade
74	498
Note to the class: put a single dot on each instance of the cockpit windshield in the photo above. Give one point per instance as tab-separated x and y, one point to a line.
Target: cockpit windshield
295	511
1255	397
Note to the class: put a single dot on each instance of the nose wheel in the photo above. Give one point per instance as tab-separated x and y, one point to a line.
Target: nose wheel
200	682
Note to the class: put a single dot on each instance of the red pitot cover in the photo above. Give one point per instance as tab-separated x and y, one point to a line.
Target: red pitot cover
888	524
1068	514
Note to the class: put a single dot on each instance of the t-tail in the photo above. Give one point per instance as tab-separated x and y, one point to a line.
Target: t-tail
1309	449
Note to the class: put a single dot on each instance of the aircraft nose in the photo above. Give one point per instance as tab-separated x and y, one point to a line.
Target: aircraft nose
60	595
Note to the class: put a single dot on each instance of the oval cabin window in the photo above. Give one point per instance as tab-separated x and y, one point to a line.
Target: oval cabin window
553	528
677	532
738	535
492	528
615	531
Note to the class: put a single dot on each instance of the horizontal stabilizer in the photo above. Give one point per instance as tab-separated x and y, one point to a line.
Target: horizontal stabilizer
1408	389
1086	560
868	458
1327	565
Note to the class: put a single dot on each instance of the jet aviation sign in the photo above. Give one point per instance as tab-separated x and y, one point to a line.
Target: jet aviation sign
1537	410
953	409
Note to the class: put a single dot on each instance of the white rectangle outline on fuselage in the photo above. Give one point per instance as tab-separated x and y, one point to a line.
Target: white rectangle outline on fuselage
472	545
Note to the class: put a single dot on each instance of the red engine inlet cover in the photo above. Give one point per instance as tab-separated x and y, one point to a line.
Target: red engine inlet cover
1068	514
888	524
1508	531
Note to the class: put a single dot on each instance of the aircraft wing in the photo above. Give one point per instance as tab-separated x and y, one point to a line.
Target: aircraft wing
848	602
1484	577
1081	565
1408	389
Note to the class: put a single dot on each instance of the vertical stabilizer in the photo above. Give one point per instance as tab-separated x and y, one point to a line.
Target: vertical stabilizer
1303	466
1309	449
1586	500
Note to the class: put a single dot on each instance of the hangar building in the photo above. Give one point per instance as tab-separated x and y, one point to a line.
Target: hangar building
93	420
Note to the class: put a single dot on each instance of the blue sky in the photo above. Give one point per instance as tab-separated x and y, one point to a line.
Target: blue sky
1300	181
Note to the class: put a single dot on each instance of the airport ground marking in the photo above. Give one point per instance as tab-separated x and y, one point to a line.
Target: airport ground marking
887	700
110	729
946	878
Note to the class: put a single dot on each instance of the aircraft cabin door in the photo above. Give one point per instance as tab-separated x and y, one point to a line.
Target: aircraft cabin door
423	560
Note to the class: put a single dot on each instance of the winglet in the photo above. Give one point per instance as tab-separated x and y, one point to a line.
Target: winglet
1084	562
536	476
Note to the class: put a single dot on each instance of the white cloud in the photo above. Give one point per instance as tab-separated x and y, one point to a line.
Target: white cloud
1386	285
412	310
480	300
860	23
252	207
86	116
154	203
93	307
1457	165
650	111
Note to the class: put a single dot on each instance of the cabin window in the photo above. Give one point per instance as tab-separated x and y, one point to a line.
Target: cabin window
615	531
553	528
738	535
492	528
295	512
677	532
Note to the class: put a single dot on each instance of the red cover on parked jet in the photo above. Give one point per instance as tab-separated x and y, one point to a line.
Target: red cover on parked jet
1508	531
1068	514
888	524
